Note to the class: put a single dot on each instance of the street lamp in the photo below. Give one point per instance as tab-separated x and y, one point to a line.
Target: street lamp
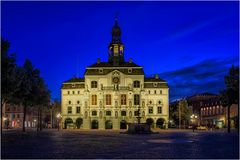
193	118
59	116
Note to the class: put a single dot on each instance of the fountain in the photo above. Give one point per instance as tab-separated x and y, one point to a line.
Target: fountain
139	128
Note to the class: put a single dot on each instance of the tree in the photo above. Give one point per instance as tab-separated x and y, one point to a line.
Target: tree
230	95
182	115
9	74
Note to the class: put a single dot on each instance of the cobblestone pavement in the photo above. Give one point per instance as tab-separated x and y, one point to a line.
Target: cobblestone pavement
113	144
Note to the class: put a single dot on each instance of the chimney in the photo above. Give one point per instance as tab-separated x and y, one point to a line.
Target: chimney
156	76
130	60
98	61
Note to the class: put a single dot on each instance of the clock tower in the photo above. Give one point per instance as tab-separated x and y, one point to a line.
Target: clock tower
116	48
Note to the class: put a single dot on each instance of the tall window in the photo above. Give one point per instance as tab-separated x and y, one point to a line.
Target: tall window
159	109
69	110
94	99
123	99
78	109
136	99
136	84
94	84
108	99
150	110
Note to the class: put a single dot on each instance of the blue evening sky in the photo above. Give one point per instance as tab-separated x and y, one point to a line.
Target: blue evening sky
190	44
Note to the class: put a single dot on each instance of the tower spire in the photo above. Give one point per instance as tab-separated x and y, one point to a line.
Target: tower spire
115	49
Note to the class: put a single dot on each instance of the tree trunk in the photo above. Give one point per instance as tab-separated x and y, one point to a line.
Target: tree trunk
228	117
24	116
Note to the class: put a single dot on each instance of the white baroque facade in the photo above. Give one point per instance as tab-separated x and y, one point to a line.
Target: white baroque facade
112	94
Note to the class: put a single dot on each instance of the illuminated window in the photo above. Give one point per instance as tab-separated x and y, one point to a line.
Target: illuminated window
69	110
108	99
123	113
150	110
159	109
94	113
136	84
94	84
78	109
123	99
136	99
94	99
108	113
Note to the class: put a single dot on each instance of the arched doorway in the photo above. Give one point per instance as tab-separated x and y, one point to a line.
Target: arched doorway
79	122
149	121
94	124
160	123
123	124
68	123
108	124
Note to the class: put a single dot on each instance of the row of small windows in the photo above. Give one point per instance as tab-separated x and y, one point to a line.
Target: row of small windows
123	100
155	92
108	113
212	110
136	85
73	92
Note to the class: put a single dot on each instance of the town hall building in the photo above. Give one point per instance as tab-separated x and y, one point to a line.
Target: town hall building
112	94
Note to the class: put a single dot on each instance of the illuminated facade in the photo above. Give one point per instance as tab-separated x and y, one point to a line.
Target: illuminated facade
111	93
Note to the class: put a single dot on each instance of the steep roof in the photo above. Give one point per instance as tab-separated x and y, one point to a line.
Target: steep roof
75	79
107	64
151	79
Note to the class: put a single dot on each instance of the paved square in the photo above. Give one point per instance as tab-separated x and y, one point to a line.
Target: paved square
112	144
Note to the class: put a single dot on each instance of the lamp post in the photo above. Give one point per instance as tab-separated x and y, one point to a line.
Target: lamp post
193	119
58	118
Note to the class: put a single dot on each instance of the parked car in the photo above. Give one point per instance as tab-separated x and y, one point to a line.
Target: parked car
202	128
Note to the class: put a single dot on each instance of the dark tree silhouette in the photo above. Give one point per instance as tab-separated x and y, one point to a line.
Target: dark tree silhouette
230	95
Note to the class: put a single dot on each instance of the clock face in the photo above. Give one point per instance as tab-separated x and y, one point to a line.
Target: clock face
115	80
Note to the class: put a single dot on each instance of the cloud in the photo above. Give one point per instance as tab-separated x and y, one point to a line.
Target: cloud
206	76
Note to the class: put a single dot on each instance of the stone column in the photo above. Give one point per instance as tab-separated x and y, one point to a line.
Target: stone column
86	123
116	123
101	124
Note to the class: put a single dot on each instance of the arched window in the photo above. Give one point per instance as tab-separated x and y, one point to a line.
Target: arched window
136	84
94	84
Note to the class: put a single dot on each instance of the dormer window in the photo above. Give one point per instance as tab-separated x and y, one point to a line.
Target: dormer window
101	70
136	84
94	84
130	70
155	84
